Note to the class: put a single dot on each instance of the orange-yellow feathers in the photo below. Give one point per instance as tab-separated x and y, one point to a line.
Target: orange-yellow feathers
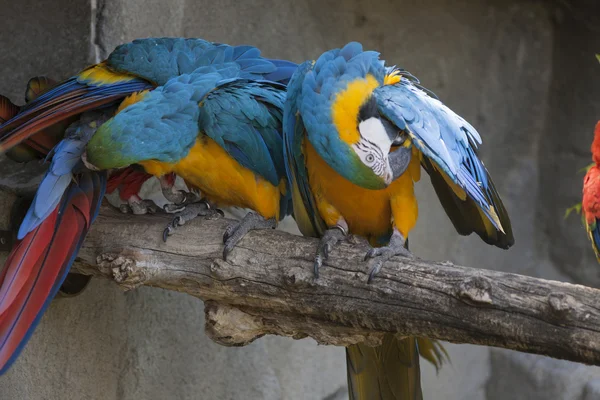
346	104
222	179
392	78
369	213
100	74
132	99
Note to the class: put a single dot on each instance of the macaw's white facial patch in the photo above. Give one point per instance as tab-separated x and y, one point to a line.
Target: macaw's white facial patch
372	130
373	147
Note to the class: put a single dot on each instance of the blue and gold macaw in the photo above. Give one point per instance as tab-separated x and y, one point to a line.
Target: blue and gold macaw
218	128
210	112
356	134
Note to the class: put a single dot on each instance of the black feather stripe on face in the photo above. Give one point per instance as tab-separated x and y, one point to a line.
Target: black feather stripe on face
368	110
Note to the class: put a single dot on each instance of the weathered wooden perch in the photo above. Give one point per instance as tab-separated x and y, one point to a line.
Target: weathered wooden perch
267	287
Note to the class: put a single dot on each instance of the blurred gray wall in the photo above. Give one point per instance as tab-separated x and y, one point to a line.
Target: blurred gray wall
523	72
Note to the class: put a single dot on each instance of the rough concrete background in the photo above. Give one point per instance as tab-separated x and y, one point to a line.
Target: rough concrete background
523	72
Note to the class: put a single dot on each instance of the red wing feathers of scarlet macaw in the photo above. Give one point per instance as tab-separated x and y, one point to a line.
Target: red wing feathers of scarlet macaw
590	205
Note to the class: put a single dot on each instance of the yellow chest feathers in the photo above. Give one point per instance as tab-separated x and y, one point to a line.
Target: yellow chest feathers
221	179
370	213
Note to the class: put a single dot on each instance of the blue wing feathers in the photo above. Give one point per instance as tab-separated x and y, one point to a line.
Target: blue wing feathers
245	119
450	143
65	161
596	235
159	60
441	135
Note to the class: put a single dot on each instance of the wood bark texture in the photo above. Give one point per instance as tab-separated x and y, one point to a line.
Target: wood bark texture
266	286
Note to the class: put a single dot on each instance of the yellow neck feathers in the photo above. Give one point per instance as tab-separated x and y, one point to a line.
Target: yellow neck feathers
346	105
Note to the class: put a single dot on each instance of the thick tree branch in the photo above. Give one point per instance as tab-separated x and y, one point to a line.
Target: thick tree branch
267	287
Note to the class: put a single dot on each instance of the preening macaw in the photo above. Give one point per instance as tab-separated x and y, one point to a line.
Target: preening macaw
219	128
169	76
590	204
356	134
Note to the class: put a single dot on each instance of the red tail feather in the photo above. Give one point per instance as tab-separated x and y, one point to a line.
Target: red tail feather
21	313
21	261
34	269
23	127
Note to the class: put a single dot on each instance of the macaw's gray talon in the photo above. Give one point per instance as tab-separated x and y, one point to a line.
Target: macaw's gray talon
172	208
374	270
379	255
175	196
199	209
228	232
331	237
171	227
179	202
235	232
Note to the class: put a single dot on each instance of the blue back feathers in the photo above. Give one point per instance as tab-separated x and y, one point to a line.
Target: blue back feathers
244	118
163	126
160	59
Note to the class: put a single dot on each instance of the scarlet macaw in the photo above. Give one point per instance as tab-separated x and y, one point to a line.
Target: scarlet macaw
590	204
356	133
157	73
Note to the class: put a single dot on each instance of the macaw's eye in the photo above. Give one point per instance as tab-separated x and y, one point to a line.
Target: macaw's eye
370	158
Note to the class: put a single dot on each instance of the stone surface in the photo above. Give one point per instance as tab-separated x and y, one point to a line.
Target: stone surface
529	377
522	72
150	344
41	37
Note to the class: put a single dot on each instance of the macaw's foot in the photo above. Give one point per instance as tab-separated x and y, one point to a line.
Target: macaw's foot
179	198
135	205
235	232
331	238
185	199
381	254
191	211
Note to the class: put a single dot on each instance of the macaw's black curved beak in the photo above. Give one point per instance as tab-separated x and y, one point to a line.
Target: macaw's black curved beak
399	160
